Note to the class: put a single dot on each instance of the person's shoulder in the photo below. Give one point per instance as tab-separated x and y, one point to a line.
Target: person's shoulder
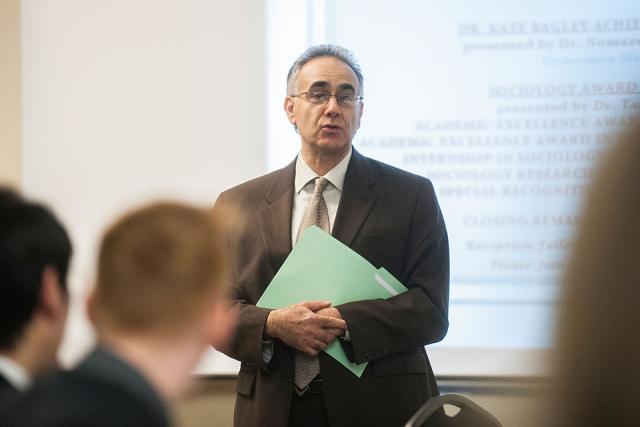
6	388
8	394
41	404
71	398
258	187
259	182
395	176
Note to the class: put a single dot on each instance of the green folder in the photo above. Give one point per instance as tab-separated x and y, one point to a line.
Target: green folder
321	267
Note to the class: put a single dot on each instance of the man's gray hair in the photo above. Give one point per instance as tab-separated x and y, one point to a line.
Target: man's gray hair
321	50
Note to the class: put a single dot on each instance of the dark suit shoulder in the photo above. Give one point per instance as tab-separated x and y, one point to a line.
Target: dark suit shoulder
102	391
73	399
258	191
254	184
260	184
392	180
7	391
385	170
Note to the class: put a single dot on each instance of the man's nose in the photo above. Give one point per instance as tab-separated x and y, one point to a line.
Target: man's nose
332	108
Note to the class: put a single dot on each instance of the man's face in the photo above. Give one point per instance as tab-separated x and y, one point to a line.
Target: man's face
325	128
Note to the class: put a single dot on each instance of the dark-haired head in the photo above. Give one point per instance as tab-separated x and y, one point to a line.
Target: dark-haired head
31	240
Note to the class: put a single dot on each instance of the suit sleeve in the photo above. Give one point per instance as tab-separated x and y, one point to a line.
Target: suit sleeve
419	316
247	342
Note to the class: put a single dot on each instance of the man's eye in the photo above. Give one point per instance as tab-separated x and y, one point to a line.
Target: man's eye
319	96
346	98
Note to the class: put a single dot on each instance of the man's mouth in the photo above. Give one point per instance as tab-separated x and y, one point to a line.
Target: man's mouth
330	127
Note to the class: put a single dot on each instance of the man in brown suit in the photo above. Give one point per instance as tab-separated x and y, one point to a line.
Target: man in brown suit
388	216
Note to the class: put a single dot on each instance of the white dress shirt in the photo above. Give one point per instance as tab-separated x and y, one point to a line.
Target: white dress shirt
17	376
304	186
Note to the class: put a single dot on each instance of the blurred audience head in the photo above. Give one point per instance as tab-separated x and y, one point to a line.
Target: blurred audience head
599	322
160	270
34	259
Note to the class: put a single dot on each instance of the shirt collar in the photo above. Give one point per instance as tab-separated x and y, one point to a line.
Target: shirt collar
335	176
14	373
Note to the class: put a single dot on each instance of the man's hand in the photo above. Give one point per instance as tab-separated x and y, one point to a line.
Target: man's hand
300	327
332	312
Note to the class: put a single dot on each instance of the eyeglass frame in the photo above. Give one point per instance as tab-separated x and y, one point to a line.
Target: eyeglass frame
358	98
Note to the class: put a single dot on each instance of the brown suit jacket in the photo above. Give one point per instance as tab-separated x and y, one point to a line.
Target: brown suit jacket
390	217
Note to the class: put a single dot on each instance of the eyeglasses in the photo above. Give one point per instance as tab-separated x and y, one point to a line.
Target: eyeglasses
345	98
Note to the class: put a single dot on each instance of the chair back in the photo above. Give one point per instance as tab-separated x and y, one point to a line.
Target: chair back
432	414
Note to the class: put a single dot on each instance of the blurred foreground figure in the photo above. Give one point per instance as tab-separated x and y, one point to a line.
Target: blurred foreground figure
34	258
156	307
599	332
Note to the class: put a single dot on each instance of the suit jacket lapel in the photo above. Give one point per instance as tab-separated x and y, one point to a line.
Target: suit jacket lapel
275	218
357	198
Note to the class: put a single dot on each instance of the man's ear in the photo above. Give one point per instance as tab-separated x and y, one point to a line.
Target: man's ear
361	107
53	301
288	109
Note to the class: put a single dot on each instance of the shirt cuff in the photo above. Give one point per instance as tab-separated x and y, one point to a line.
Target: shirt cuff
267	351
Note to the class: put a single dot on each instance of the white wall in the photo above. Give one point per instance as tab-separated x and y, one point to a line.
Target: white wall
129	100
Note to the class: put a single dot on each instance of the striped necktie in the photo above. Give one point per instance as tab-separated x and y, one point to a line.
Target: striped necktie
307	367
